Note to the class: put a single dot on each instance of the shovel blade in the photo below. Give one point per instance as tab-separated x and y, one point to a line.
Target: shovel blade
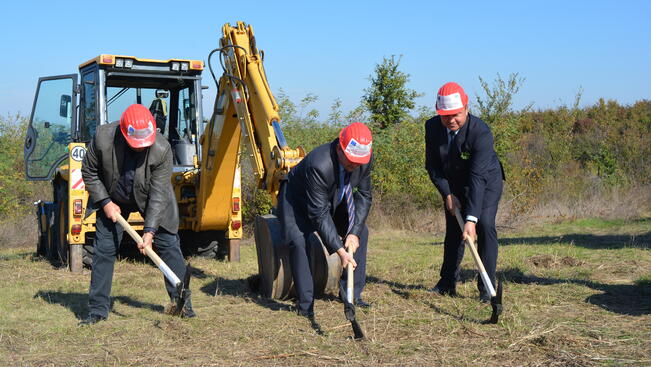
349	311
183	291
357	330
496	303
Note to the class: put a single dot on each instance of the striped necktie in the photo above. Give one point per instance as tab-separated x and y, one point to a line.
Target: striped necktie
350	202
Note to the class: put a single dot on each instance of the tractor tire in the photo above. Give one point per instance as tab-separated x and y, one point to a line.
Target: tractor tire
209	251
59	246
208	244
88	250
43	241
50	245
43	227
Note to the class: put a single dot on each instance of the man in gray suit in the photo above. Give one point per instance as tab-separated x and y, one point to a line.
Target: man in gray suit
127	168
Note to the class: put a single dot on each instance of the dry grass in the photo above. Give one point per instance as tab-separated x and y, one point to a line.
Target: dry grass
614	203
611	203
18	232
570	299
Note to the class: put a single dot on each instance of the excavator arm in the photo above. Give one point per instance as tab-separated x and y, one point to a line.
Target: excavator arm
246	105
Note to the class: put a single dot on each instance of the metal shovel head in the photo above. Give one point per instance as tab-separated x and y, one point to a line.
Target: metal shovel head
183	290
496	303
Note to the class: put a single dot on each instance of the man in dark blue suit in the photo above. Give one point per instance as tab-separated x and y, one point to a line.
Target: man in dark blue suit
462	164
329	192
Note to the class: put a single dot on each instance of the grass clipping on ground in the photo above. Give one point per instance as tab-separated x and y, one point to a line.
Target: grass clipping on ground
575	295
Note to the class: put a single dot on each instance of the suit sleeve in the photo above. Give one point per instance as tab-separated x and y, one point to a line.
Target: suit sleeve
318	209
363	199
158	186
480	158
90	172
433	163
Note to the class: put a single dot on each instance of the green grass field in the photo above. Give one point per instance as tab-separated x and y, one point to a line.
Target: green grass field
576	294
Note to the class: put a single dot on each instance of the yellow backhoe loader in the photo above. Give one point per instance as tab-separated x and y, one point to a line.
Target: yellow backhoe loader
206	179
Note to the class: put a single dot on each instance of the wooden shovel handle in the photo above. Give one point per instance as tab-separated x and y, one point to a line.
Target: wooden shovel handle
475	255
350	282
169	274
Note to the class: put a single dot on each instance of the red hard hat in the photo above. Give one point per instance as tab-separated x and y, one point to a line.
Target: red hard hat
355	141
450	99
138	126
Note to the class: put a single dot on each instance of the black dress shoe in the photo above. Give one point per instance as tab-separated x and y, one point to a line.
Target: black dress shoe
304	313
92	319
449	291
360	303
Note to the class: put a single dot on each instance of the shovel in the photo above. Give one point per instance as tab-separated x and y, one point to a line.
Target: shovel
347	299
183	288
496	296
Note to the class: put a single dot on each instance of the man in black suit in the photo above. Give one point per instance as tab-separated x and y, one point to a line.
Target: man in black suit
462	164
318	196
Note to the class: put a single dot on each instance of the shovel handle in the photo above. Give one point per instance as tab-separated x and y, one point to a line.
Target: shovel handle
350	280
475	255
169	274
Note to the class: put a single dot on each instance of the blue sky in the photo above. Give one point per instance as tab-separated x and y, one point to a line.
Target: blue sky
331	48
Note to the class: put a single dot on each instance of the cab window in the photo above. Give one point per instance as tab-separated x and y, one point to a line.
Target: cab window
88	106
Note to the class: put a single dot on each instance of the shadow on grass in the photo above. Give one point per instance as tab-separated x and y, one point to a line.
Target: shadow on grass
77	303
403	290
642	241
456	317
625	299
395	285
20	255
34	257
247	290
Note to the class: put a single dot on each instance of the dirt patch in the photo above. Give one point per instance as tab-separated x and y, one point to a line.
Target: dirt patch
549	261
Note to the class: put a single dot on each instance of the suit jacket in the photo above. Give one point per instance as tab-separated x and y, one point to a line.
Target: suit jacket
152	186
308	199
470	167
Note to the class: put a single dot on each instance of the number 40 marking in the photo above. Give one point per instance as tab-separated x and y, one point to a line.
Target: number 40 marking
78	153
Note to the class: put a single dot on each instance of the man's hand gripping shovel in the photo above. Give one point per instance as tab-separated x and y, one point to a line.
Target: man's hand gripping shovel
496	297
183	288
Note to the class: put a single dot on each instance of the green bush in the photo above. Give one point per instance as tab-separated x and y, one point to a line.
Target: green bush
561	152
16	193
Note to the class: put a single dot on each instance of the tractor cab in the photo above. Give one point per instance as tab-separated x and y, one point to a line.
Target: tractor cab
64	118
65	112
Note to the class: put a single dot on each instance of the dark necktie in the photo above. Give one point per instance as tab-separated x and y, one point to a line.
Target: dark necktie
350	202
453	144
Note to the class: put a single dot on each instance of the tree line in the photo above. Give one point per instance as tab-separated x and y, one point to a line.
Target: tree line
560	152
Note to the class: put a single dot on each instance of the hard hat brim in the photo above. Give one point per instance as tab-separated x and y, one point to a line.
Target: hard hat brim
358	160
139	143
449	112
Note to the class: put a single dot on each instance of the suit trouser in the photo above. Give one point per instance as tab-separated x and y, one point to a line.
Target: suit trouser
108	236
299	260
486	239
454	247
